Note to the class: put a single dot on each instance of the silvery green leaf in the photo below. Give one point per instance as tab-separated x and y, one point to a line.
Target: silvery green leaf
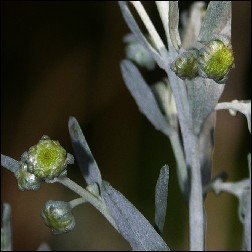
169	14
44	247
153	34
6	232
165	100
173	23
9	163
206	144
138	34
243	107
161	194
249	164
143	96
138	53
203	96
192	23
217	20
245	218
84	157
246	207
163	9
131	224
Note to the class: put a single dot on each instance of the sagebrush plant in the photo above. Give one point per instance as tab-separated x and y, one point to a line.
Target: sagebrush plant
182	105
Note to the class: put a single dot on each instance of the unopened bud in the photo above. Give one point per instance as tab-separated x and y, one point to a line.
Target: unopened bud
47	159
58	216
185	66
215	60
25	179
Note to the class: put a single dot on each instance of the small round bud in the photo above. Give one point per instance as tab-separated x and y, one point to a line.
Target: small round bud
58	216
185	66
215	60
26	180
47	159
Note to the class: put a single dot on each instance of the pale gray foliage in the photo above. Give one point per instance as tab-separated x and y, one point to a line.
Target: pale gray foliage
216	21
9	163
85	159
143	96
161	195
6	232
131	224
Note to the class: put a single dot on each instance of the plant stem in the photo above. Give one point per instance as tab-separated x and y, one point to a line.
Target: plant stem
196	211
182	172
76	202
89	197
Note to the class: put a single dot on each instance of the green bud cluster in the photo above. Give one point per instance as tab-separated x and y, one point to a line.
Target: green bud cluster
214	61
47	159
43	161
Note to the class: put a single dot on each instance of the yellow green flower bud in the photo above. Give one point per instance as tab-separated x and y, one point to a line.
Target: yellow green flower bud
25	179
215	60
47	159
185	66
58	216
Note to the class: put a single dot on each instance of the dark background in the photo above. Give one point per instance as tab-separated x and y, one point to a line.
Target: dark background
62	58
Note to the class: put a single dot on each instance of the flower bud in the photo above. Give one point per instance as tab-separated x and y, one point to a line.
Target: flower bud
58	216
47	159
25	179
215	60
185	66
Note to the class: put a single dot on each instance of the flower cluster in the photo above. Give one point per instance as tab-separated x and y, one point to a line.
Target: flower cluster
45	160
213	61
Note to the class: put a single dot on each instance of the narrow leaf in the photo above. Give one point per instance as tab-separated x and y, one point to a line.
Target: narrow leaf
9	163
154	36
161	194
247	217
203	96
165	100
137	32
206	145
192	24
84	157
131	224
143	96
249	164
163	9
169	14
217	20
6	232
173	24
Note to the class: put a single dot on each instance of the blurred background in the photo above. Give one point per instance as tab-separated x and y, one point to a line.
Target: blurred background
61	59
